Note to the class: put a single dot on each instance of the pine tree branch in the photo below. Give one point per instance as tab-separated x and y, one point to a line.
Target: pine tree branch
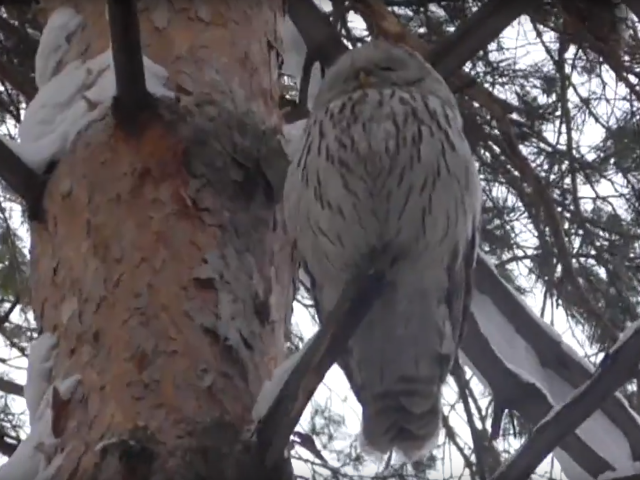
7	448
453	49
549	349
274	429
514	392
320	37
24	182
450	54
11	388
132	98
620	365
476	32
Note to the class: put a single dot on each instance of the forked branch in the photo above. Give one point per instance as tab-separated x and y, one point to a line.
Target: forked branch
132	98
475	33
322	40
620	365
450	54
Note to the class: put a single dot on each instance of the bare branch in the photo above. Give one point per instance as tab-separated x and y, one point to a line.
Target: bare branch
11	388
132	98
461	382
620	365
471	36
275	428
19	81
7	315
475	33
320	37
25	183
7	448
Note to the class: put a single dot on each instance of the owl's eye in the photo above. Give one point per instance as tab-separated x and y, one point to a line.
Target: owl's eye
387	69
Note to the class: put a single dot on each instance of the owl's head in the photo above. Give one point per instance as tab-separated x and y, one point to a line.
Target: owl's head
377	64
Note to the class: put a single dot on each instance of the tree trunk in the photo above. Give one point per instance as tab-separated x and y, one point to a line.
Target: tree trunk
161	264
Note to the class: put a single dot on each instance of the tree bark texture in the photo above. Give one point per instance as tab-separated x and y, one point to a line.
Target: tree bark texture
162	265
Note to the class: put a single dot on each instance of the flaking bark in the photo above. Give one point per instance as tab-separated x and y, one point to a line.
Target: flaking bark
162	265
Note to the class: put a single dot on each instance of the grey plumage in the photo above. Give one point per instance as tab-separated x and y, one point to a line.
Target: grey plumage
383	160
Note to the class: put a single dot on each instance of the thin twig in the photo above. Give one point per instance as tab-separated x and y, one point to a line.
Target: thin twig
461	382
7	314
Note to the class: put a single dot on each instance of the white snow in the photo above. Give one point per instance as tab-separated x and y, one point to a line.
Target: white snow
39	368
35	458
599	432
56	36
271	388
71	101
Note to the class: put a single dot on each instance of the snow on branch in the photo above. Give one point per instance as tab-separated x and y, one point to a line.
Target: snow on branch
68	101
527	344
17	162
71	98
529	369
619	366
132	98
299	377
520	388
71	101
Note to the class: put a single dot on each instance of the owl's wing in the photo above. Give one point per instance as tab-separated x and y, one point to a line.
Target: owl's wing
460	291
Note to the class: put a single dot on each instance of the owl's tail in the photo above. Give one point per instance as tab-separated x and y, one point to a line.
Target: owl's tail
408	421
399	367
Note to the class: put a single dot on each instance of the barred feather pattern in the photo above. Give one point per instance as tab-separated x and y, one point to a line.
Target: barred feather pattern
383	161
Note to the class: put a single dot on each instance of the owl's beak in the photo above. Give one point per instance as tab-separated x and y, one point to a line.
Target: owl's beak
364	80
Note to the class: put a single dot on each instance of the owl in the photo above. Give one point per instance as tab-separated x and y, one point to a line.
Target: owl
383	161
